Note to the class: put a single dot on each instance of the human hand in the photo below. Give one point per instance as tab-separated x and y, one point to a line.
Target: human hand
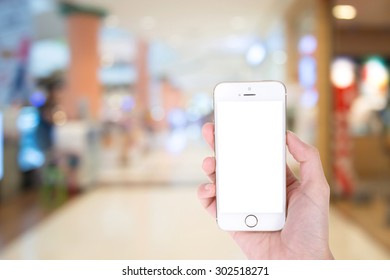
305	233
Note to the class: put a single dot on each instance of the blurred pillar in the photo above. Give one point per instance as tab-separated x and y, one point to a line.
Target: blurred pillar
142	123
291	45
83	87
172	97
321	27
325	109
143	80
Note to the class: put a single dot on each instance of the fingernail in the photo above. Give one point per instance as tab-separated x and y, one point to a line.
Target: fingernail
207	187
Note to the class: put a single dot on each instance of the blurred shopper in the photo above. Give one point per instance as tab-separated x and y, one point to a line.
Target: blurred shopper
46	125
54	190
306	232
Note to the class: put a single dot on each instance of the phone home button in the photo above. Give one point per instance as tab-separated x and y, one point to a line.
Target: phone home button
251	221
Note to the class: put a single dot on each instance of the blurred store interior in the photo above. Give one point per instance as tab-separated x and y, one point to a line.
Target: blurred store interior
102	104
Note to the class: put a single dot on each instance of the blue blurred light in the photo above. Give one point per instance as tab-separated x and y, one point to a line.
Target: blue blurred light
256	54
309	98
28	119
307	72
30	158
177	141
307	44
38	99
177	118
128	103
193	115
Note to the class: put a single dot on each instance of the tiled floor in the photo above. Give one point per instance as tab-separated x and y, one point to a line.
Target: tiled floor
150	211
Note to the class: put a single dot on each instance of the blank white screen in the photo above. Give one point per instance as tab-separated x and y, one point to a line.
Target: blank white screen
250	156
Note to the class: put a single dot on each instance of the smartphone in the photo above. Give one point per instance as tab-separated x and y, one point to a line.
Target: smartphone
250	151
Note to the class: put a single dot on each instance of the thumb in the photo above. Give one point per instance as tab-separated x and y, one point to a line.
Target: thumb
307	156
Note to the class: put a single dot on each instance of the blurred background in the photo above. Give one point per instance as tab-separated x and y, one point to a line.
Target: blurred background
102	104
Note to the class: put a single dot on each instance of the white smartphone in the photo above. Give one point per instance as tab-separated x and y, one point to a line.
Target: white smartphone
250	151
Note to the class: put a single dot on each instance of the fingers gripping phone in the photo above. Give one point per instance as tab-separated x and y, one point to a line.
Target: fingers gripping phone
250	147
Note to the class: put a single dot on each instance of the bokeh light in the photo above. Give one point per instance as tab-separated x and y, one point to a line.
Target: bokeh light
307	45
375	73
344	12
256	54
28	119
177	118
307	71
38	99
375	83
342	72
309	98
128	103
59	118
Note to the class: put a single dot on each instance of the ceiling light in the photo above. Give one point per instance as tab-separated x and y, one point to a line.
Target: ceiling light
344	12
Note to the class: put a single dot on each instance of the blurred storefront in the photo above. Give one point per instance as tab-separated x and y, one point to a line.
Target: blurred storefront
360	82
354	96
338	67
361	50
